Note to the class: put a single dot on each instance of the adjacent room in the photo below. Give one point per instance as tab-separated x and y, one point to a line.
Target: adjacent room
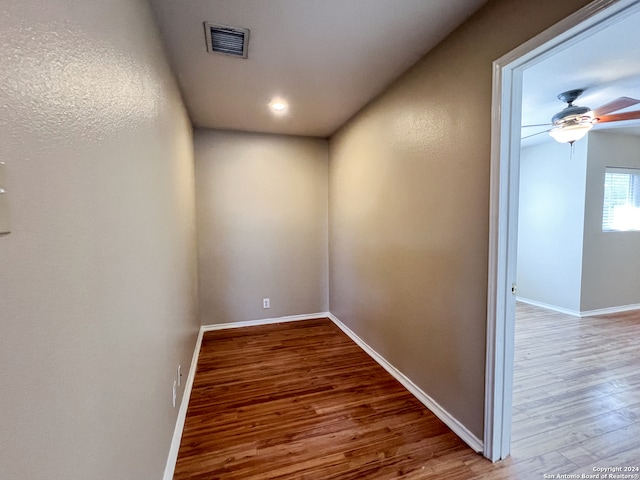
298	191
577	316
578	287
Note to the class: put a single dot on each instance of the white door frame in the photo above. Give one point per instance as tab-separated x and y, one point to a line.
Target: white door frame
503	221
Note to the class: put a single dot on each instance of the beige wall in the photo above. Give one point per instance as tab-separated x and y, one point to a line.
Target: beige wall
408	209
98	278
611	263
262	225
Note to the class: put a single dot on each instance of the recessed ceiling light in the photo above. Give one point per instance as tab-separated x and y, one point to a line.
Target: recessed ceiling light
278	105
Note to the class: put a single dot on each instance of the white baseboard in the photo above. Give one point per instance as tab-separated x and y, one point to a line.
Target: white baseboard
263	321
583	313
449	420
547	306
607	311
182	413
427	401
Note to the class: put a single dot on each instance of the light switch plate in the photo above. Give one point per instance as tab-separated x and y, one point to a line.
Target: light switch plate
5	226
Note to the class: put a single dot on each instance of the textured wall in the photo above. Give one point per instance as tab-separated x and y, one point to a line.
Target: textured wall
262	225
409	209
551	223
97	280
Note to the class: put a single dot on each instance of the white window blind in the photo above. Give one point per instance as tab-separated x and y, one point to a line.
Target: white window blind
621	210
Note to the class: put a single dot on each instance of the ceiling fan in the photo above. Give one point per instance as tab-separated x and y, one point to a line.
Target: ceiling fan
573	122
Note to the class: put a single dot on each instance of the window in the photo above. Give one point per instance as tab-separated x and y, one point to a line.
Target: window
621	211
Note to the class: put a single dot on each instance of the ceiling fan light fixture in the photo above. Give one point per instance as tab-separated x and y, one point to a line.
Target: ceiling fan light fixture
570	133
573	114
573	122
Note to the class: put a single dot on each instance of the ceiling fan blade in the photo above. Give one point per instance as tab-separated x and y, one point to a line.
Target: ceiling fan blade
619	117
614	106
539	133
537	125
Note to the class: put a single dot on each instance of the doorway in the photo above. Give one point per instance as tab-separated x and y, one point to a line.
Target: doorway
505	148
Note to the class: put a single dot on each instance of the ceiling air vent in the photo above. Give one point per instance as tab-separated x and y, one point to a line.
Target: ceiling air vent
227	40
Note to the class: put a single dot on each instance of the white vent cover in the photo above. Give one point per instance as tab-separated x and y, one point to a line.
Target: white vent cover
227	40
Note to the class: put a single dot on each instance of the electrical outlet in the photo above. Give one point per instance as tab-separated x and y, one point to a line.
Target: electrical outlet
179	374
266	303
175	393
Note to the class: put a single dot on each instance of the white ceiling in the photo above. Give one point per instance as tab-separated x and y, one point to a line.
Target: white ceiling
606	65
327	58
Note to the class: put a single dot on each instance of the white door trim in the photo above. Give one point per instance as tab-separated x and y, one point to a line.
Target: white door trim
503	210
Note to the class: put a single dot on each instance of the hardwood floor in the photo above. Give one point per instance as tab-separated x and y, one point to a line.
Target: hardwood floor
577	389
301	401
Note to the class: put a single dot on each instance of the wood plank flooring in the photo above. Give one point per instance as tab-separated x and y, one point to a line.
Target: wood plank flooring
301	401
576	389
